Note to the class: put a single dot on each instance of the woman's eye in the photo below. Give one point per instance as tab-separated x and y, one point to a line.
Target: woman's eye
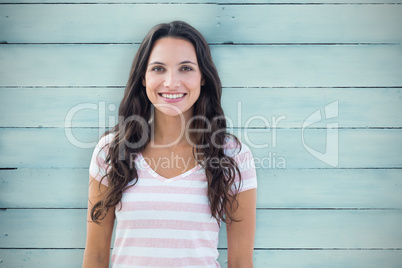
157	69
186	68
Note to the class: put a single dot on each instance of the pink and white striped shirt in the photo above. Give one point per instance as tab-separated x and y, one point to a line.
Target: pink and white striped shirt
167	222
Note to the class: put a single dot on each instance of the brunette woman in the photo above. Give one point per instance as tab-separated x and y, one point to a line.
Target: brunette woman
168	174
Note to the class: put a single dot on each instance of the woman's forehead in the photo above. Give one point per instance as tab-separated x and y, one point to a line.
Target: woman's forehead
173	49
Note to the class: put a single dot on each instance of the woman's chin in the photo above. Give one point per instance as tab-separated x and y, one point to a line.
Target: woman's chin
171	112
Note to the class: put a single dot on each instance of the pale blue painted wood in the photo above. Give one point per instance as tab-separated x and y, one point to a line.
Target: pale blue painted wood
280	107
220	23
347	229
277	188
358	148
272	66
70	258
233	2
41	258
44	188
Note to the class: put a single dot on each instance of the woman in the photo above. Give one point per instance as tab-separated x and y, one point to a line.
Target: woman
168	172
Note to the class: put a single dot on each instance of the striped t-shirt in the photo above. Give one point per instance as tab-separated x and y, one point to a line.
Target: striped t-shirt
167	222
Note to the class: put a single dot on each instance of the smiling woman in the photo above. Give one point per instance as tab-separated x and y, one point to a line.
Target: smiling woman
169	214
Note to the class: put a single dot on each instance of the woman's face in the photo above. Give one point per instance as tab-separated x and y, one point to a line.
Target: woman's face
173	79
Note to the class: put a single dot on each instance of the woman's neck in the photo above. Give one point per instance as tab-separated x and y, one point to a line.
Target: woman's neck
170	131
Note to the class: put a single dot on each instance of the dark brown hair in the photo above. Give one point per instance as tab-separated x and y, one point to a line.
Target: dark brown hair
135	112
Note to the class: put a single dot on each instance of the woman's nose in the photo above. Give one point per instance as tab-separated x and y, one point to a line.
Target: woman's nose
172	80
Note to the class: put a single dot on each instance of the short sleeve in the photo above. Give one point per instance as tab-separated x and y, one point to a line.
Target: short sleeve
245	161
98	166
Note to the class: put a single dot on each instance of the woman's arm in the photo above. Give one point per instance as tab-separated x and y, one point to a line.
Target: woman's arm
97	248
241	234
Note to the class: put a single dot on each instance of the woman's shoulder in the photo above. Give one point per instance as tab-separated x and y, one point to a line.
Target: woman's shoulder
105	140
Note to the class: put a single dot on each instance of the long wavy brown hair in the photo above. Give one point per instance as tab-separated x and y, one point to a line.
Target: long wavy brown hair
132	133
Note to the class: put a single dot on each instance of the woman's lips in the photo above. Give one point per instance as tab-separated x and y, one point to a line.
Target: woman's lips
172	97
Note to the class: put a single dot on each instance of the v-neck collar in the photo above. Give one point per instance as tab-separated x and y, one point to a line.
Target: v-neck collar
147	167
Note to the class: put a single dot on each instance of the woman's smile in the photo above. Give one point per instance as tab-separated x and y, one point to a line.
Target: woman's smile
172	97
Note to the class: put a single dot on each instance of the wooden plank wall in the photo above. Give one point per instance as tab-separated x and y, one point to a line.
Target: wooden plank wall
280	62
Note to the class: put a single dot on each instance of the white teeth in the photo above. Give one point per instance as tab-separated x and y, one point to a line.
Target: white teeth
172	96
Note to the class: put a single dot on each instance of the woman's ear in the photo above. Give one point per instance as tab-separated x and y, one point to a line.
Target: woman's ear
143	82
202	82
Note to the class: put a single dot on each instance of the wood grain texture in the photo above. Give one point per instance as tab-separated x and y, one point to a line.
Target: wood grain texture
221	23
288	59
273	66
347	229
358	148
277	188
67	258
244	107
226	2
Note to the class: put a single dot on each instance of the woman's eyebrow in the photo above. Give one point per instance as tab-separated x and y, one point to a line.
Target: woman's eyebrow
157	62
187	61
183	62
